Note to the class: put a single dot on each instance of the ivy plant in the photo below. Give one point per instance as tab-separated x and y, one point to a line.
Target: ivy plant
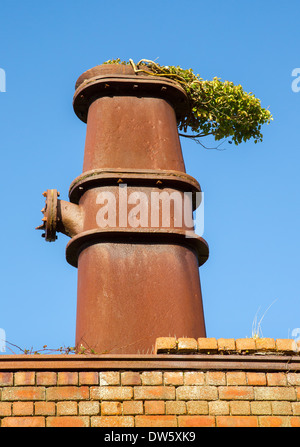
218	108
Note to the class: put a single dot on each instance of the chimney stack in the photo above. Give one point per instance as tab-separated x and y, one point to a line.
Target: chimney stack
130	215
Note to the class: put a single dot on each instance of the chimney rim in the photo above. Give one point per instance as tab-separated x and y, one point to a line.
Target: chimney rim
97	86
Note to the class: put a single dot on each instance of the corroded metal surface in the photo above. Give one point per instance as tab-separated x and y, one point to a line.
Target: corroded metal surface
119	80
50	217
140	281
132	133
162	362
138	177
146	289
145	237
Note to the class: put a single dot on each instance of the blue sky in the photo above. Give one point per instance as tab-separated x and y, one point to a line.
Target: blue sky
252	215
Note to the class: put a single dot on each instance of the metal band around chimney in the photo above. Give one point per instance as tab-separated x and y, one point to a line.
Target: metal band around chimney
138	177
136	236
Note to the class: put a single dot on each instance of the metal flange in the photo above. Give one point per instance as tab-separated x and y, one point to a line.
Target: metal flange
138	177
98	82
50	215
138	236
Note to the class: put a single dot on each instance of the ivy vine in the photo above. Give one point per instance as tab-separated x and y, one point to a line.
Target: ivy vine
217	108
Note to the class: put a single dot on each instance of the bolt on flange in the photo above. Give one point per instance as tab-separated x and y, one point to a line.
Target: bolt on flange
50	215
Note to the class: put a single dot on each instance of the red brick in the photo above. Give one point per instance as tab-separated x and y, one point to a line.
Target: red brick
273	421
175	407
240	407
265	344
236	392
131	378
23	393
246	345
226	344
5	408
67	378
197	407
276	379
66	408
154	392
256	378
236	378
24	378
207	345
89	408
282	408
293	378
133	407
275	393
111	392
173	378
165	345
111	408
285	345
156	421
261	407
197	393
154	407
29	421
108	378
67	393
6	379
196	421
187	345
295	421
88	378
237	421
194	378
67	421
46	378
112	421
215	378
296	408
44	408
22	408
218	407
151	378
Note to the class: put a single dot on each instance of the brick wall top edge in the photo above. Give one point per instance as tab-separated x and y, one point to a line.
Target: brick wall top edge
212	345
183	353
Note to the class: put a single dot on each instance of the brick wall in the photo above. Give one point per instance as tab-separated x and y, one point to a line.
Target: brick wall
185	383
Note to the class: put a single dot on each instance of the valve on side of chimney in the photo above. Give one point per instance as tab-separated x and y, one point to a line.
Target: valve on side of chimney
60	216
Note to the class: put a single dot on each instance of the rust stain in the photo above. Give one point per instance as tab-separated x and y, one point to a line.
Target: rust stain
134	284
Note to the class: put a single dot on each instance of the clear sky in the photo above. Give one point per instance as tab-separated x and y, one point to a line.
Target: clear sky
252	215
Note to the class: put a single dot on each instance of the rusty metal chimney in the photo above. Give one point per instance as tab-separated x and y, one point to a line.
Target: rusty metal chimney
138	268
